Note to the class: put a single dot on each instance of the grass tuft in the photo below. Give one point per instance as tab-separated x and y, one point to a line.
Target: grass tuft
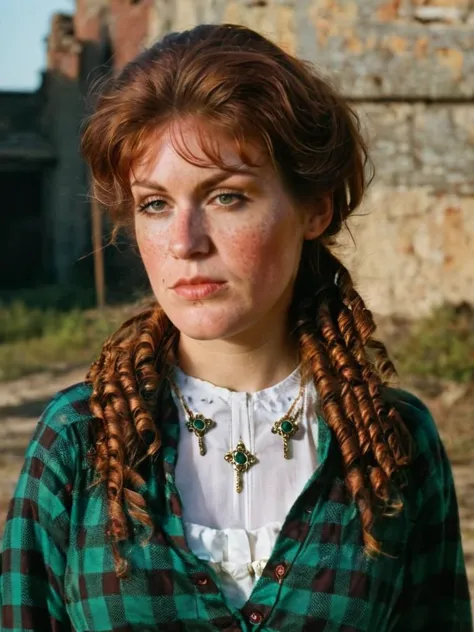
33	340
440	345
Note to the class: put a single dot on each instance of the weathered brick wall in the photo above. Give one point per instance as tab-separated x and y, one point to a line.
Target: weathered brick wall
127	24
64	184
408	67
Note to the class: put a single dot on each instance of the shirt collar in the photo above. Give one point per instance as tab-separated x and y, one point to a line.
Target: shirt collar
273	398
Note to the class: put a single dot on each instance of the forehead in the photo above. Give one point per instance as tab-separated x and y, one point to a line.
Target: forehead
201	145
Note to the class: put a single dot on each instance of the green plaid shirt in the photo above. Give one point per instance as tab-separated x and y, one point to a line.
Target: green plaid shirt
58	573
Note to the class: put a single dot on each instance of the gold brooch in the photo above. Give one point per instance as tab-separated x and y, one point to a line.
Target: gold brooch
241	460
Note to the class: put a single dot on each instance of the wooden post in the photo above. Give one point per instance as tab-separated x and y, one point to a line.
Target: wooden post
97	245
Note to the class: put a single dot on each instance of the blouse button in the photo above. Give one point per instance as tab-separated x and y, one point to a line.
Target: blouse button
280	571
256	617
202	581
309	510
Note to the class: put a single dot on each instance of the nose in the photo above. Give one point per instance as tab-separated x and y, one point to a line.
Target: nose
189	235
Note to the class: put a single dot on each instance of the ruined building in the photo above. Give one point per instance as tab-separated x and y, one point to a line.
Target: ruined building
407	65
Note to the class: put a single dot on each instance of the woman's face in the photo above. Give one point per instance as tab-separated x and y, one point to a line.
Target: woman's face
221	249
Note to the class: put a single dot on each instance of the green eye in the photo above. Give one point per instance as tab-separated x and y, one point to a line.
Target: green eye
156	205
152	207
227	198
230	199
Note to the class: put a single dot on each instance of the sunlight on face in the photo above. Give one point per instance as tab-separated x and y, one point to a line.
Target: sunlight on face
221	249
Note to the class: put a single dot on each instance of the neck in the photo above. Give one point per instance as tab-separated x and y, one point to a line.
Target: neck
248	362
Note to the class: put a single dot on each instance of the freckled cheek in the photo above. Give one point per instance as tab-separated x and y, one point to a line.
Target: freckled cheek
258	254
152	249
244	251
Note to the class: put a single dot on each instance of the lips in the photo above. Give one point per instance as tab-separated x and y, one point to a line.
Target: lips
198	288
198	280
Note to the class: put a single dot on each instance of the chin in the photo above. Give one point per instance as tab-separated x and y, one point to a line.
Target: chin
204	331
202	334
203	324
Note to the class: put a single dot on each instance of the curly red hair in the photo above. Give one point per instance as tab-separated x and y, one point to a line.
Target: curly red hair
232	78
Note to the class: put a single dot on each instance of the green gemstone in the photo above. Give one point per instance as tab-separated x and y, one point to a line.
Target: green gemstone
199	424
240	458
287	426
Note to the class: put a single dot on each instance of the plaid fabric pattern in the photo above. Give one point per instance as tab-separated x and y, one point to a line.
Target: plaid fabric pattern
58	573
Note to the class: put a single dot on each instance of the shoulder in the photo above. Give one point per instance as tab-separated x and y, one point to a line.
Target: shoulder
61	435
68	407
429	462
416	417
54	459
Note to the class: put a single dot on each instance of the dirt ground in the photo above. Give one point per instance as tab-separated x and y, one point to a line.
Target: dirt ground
22	401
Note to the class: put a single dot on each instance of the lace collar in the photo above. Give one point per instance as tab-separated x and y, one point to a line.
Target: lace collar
273	398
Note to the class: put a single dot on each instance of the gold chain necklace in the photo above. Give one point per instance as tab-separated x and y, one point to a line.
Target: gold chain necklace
240	458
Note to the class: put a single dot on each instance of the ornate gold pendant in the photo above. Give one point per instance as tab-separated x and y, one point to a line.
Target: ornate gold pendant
241	460
286	427
200	425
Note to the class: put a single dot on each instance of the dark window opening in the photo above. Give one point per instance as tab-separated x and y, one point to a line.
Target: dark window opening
23	252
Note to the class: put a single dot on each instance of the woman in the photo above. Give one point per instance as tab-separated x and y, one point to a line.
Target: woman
235	459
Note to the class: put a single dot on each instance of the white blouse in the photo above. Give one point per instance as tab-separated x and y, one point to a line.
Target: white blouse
236	532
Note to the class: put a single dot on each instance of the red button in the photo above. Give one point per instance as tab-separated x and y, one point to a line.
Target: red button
256	617
202	581
280	571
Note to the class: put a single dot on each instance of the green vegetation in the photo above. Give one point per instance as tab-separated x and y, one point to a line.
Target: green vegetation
441	345
33	339
54	330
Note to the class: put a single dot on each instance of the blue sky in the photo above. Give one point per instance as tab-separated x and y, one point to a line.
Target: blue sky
24	25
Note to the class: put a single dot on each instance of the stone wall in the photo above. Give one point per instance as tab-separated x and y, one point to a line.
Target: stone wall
408	68
415	235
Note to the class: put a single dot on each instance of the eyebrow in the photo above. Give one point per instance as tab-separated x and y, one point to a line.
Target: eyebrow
209	182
